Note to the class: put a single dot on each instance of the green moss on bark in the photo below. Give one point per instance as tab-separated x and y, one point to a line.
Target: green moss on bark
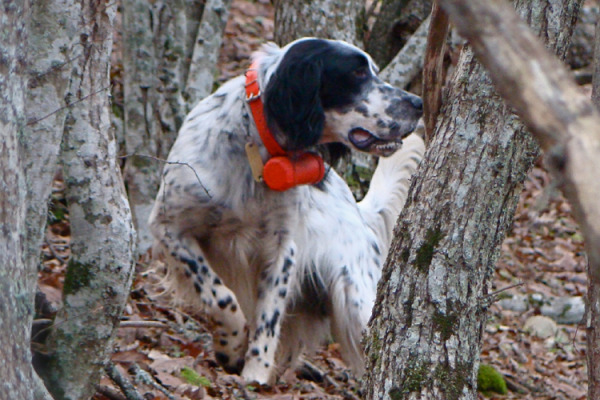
425	252
444	324
78	275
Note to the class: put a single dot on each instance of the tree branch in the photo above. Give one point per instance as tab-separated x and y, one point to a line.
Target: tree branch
547	99
407	64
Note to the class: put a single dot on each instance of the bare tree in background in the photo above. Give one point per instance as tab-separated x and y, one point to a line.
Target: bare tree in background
170	51
425	333
329	19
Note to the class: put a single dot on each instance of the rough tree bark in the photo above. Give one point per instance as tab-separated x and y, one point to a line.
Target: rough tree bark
329	19
424	339
160	38
100	269
563	120
17	279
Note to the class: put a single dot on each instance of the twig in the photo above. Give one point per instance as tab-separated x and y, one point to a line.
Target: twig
170	163
122	382
53	251
110	392
515	386
145	377
35	121
433	68
504	289
142	324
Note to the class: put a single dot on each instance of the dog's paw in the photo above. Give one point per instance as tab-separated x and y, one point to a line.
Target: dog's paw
258	372
231	366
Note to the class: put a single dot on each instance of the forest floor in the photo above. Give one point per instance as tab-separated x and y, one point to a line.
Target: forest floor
167	353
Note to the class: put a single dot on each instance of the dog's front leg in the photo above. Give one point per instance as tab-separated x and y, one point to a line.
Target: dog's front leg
273	286
194	276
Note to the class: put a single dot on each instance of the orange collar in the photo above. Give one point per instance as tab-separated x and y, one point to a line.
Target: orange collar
253	94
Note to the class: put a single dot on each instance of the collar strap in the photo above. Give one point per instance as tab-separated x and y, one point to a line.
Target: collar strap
253	99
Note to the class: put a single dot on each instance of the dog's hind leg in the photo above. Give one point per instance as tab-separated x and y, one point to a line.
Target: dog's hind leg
193	279
273	285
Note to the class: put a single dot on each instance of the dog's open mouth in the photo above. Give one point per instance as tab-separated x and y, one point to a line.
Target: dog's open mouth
364	140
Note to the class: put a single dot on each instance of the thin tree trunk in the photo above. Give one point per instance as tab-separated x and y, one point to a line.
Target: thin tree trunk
203	67
167	45
100	270
328	19
145	132
563	120
424	339
17	278
53	35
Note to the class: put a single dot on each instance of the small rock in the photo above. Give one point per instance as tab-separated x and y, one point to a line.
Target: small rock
565	310
515	303
541	326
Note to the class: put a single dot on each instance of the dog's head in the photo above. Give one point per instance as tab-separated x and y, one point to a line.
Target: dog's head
321	91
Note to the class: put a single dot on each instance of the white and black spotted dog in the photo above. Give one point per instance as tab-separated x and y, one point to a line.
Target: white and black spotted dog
278	271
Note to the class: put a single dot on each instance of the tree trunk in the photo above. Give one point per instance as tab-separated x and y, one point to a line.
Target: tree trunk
17	278
563	120
203	67
395	23
424	339
160	38
328	19
52	28
100	270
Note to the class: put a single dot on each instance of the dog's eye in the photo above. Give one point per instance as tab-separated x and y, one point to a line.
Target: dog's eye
361	73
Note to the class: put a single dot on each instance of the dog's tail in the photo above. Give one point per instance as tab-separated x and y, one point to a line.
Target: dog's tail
389	189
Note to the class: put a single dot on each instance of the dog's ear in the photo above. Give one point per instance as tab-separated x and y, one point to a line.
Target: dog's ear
292	103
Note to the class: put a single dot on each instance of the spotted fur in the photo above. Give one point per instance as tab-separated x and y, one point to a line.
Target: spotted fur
278	271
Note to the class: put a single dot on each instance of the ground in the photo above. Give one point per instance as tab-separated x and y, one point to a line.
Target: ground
167	352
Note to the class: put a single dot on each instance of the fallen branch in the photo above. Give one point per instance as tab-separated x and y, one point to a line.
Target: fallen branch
110	392
122	382
143	324
145	377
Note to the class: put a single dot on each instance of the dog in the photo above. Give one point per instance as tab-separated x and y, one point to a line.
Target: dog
280	269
